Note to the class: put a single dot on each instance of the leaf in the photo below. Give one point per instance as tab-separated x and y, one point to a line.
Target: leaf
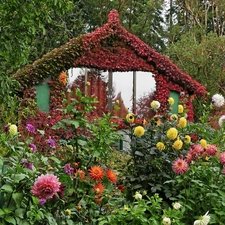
19	177
17	197
7	188
81	142
10	220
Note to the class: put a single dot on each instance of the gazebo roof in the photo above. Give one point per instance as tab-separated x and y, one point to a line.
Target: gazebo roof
110	47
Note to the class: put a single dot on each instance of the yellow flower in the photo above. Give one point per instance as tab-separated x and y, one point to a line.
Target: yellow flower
130	117
88	83
203	143
68	211
139	131
13	129
187	139
174	117
172	133
117	101
180	109
160	146
171	101
177	145
182	122
155	104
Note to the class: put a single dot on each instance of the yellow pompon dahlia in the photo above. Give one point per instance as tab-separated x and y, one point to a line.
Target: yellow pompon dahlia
174	117
139	131
130	117
13	129
63	78
172	133
203	143
182	122
171	100
160	146
187	139
180	109
177	145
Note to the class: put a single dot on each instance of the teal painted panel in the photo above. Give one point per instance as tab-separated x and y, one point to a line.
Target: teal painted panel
175	95
43	97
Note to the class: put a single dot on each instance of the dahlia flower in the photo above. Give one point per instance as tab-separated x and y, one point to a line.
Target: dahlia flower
182	122
171	100
30	128
203	143
204	220
177	145
218	100
63	78
139	131
111	176
138	196
96	173
33	147
160	146
45	186
211	150
166	221
174	117
180	166
187	139
172	133
222	157
99	188
221	121
180	109
177	205
68	170
155	105
13	129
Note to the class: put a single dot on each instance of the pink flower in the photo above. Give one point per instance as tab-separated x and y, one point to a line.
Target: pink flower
211	150
180	166
45	186
196	150
222	157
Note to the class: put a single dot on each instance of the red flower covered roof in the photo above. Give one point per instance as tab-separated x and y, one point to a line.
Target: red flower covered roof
110	47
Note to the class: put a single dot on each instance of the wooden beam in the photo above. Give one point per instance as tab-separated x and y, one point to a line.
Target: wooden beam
134	91
85	81
110	90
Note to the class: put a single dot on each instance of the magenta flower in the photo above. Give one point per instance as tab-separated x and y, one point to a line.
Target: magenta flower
222	157
42	201
211	150
68	170
6	128
30	128
46	186
33	147
51	143
27	164
180	166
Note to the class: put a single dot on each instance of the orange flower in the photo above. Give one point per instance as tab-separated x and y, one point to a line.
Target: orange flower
111	176
96	172
80	173
98	199
63	78
99	188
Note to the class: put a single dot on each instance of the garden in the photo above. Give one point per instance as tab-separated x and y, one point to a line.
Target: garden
70	170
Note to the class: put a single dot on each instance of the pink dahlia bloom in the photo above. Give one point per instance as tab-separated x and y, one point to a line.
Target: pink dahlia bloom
180	166
45	186
196	150
211	150
222	157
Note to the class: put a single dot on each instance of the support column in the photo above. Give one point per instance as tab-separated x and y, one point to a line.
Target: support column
134	91
110	90
85	81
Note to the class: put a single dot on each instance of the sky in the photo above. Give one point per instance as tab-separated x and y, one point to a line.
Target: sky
123	82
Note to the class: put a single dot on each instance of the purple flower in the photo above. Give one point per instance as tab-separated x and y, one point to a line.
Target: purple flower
27	164
30	128
51	143
33	147
68	170
6	128
42	201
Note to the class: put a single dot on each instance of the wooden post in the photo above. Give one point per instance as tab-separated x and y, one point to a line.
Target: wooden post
85	81
110	90
134	91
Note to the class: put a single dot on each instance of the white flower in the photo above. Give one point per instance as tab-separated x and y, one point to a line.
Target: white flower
166	221
155	104
177	205
218	100
137	196
204	220
221	121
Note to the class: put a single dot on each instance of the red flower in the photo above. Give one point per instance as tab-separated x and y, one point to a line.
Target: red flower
99	188
180	166
96	173
121	188
111	176
46	186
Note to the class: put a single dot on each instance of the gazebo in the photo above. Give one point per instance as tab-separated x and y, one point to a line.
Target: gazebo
112	48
